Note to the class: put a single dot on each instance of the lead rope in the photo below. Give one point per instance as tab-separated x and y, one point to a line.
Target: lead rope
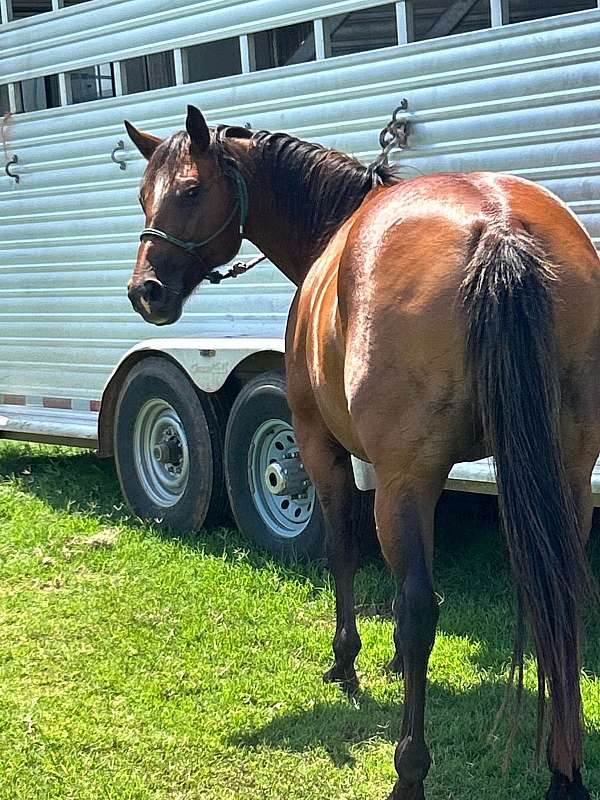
237	268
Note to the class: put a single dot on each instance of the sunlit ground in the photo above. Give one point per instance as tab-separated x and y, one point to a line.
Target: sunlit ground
138	666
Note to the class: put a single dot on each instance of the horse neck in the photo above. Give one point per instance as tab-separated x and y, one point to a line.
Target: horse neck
291	243
281	241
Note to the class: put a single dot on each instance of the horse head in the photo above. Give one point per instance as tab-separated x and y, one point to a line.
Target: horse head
195	203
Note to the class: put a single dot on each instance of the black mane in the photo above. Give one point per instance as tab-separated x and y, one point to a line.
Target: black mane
314	187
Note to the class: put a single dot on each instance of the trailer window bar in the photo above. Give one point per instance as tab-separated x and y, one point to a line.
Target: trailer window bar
525	10
4	100
363	29
148	72
284	46
91	83
36	94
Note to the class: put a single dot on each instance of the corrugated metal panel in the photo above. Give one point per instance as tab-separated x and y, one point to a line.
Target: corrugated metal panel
522	98
104	31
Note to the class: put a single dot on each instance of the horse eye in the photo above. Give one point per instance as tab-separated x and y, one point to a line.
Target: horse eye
193	193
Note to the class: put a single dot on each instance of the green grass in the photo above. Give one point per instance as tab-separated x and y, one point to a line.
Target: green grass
138	666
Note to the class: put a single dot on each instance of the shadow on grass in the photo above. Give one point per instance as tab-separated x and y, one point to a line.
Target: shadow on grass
335	726
458	730
458	727
340	725
468	543
79	482
472	576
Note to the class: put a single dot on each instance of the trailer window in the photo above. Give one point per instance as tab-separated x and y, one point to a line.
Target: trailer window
279	47
19	9
521	10
37	93
91	83
365	29
154	71
212	60
433	18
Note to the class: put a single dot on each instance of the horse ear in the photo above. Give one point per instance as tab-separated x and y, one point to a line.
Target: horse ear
196	126
146	143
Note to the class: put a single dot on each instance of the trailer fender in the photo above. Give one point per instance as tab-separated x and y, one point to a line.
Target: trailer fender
208	363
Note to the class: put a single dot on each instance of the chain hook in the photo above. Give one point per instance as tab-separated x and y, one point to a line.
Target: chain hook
8	165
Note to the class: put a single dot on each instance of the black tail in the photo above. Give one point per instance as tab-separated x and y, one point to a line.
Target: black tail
511	353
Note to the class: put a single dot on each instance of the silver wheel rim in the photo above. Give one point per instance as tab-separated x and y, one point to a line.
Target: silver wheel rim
161	452
284	514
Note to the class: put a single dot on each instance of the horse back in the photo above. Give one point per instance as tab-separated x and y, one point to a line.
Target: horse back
380	324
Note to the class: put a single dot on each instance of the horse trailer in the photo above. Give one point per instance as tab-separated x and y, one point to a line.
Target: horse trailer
195	415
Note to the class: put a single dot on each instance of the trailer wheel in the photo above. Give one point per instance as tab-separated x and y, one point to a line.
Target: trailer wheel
271	496
168	444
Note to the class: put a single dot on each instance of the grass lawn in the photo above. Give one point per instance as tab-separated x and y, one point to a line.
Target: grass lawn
138	666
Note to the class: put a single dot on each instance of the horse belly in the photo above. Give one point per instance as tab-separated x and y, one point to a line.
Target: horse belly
319	330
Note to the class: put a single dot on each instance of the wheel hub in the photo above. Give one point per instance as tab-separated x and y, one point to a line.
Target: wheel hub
168	450
282	491
161	452
287	477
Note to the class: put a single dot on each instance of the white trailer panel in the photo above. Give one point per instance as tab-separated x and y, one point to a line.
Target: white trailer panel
521	98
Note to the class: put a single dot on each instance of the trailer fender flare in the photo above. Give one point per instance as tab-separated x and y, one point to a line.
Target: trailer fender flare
208	363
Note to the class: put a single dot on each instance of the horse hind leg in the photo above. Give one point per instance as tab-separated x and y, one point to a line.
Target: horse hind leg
329	466
396	665
405	529
561	788
341	508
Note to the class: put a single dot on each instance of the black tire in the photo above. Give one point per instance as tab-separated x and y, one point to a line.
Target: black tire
262	399
202	495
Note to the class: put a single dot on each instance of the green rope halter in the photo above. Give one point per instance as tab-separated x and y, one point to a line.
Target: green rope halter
241	205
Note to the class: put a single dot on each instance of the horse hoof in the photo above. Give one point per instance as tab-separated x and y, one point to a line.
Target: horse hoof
346	679
562	788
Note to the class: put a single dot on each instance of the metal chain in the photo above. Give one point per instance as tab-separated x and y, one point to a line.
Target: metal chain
394	135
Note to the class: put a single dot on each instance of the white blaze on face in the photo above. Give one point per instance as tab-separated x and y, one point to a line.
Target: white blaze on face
160	188
163	183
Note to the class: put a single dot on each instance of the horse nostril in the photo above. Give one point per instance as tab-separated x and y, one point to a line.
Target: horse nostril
153	291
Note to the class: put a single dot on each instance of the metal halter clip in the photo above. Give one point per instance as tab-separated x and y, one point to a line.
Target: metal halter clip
238	268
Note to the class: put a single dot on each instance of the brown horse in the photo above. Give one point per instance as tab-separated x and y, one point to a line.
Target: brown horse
436	320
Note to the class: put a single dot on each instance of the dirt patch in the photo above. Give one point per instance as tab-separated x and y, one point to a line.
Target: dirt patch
105	538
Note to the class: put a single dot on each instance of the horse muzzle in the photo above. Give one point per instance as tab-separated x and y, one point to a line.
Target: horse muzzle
155	302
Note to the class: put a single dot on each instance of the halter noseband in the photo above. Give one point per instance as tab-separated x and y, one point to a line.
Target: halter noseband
190	246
